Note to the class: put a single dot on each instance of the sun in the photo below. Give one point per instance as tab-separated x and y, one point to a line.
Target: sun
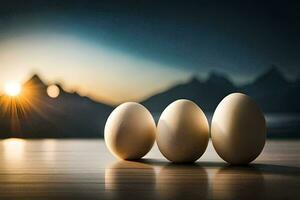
12	89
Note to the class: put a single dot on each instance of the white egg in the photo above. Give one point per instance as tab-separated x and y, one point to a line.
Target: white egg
182	132
238	129
130	131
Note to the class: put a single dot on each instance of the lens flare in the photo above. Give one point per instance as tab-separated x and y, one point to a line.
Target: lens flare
53	91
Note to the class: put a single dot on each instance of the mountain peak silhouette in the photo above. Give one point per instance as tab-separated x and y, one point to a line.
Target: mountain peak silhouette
217	78
194	80
273	74
66	116
36	81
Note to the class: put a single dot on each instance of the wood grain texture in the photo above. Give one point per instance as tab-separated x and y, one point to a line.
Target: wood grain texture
84	169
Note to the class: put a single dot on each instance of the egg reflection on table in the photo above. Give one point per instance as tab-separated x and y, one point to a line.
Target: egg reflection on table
129	178
130	131
182	132
182	182
234	182
238	129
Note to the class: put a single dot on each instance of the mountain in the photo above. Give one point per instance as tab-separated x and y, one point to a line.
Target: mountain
205	93
36	115
271	90
269	79
278	98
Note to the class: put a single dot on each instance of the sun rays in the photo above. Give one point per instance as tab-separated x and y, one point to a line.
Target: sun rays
18	102
14	105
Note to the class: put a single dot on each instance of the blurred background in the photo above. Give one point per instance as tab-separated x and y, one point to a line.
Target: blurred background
64	65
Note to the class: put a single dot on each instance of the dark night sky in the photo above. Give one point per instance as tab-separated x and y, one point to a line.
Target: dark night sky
239	38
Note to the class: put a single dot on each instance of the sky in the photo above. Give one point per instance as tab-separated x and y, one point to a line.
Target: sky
116	51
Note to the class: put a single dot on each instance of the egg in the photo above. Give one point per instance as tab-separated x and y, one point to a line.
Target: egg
130	131
238	129
182	132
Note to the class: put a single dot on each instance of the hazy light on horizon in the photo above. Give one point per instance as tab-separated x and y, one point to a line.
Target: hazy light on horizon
91	69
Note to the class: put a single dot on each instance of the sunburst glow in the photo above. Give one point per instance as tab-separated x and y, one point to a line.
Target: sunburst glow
12	89
18	101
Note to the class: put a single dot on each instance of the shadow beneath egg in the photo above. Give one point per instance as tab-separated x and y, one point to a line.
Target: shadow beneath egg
160	162
263	168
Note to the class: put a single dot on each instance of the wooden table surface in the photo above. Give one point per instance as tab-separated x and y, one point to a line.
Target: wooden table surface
84	169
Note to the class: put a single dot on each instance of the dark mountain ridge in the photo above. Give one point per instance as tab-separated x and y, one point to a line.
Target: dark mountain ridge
216	87
67	116
277	97
271	90
36	115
